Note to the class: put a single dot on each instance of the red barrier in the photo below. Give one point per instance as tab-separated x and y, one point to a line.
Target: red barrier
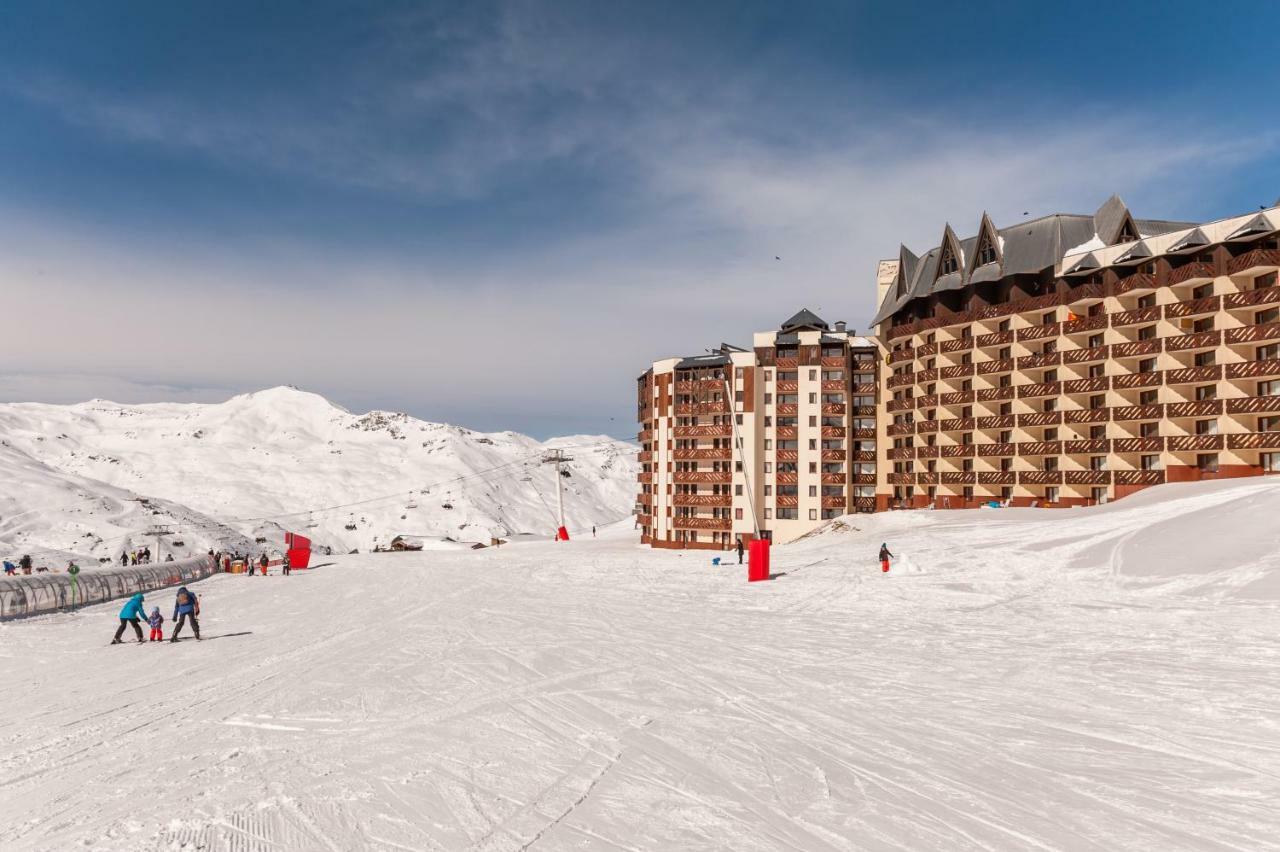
758	560
562	534
299	554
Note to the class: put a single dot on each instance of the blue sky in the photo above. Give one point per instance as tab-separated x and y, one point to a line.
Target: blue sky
498	213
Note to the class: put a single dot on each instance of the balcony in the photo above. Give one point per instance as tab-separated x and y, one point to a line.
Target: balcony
899	405
788	433
962	344
701	523
998	450
864	389
930	401
958	477
865	504
831	409
787	363
1033	362
957	372
927	452
1192	342
1251	298
644	456
1087	415
996	477
959	424
787	501
833	455
1040	332
1136	412
986	368
927	478
1191	375
788	409
1092	290
1087	477
1085	356
1256	260
997	421
644	520
1136	281
784	478
1085	324
896	430
644	436
829	386
1253	405
698	477
788	387
1125	446
999	338
1097	384
838	478
1253	369
923	377
709	454
957	398
788	455
1198	271
1040	448
832	362
700	386
1131	381
924	427
1142	315
645	477
1254	441
1196	307
829	502
1193	443
900	453
857	479
1039	418
1136	349
995	394
1086	447
1199	408
901	478
863	456
717	500
858	434
1039	389
1138	477
724	431
837	432
1040	477
1252	333
692	409
957	451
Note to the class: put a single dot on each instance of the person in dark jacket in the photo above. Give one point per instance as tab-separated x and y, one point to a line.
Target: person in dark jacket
885	556
284	565
124	560
739	550
131	613
187	606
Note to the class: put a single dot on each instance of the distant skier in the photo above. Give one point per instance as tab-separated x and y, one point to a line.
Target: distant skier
25	563
124	560
157	625
264	562
187	606
739	550
593	530
284	565
130	613
885	556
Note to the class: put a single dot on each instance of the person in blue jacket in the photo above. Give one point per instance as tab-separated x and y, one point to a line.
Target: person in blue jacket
187	606
130	614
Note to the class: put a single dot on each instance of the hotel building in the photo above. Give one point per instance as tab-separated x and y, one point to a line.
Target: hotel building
1071	360
765	441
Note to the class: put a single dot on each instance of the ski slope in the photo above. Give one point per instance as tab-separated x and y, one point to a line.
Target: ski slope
1097	679
252	466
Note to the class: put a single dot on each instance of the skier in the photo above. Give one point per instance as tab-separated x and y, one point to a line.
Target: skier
593	530
186	606
157	625
25	563
251	566
885	556
284	565
739	550
129	614
264	562
9	568
124	560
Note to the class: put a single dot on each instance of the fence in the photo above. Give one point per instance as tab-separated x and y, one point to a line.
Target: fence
40	593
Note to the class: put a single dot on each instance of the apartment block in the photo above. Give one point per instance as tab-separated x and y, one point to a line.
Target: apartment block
768	441
1074	359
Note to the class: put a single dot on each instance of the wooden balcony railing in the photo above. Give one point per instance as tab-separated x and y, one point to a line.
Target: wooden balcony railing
1086	415
1130	381
956	372
833	409
788	409
995	394
1254	441
1040	448
1136	281
788	387
835	432
1001	365
833	455
701	523
787	478
1188	375
1136	412
1138	477
927	452
996	338
899	405
1193	443
1040	332
1195	271
1033	362
857	479
1039	418
927	478
961	344
958	424
1092	290
900	478
724	431
1253	369
929	401
996	477
787	501
1086	447
988	450
712	477
899	356
1085	356
1198	408
1085	324
865	504
957	398
1040	477
1137	445
1087	477
1095	385
1039	389
1198	340
1256	259
788	455
690	409
787	363
1136	348
996	421
858	434
1124	318
645	477
1251	298
829	502
788	433
832	362
958	477
838	478
1252	333
1253	405
957	451
718	500
644	456
1196	307
709	453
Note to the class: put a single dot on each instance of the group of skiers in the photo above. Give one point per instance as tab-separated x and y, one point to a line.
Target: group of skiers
224	561
138	557
186	608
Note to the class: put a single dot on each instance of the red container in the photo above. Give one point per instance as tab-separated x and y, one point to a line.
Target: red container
758	560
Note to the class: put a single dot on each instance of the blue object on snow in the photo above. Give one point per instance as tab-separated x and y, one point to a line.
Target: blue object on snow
715	561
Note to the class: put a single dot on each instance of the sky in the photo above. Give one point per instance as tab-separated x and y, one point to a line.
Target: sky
498	214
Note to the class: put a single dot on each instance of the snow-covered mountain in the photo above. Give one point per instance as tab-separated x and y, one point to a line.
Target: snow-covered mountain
253	466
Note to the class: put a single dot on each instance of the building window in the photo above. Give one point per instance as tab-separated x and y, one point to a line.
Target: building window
768	514
1204	359
1270	462
1148	397
768	444
737	514
1207	392
1151	462
738	419
1265	280
1147	301
1147	332
1097	463
1149	430
768	399
737	490
1051	494
1270	352
1200	326
1207	462
813	514
1051	463
1204	291
1098	432
1095	341
1271	388
1269	424
1147	365
768	491
768	467
1097	370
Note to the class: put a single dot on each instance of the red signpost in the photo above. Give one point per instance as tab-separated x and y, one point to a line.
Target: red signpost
758	560
299	550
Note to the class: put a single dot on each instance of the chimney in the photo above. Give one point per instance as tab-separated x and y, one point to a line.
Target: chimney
839	325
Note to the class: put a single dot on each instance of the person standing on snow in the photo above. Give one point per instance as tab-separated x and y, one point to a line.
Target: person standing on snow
739	550
885	556
130	613
157	625
284	565
264	562
186	606
124	560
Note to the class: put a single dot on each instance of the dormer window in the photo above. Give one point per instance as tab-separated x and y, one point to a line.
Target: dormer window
987	254
949	264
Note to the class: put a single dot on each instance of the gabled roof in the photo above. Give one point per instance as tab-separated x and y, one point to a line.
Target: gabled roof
1088	263
805	318
1139	251
1193	240
1113	222
987	236
1260	224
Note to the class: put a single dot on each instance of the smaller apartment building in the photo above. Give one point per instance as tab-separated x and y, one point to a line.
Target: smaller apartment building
767	441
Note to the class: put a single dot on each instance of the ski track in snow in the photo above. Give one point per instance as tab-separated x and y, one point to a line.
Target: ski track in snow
1040	684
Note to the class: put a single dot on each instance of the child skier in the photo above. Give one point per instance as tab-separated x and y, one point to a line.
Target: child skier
157	625
885	556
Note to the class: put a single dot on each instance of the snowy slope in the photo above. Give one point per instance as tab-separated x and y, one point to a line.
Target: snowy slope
267	456
1021	680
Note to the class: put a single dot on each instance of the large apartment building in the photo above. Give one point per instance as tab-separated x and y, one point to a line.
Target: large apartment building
765	441
1071	360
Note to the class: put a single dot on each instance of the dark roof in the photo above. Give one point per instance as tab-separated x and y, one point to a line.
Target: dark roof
1260	224
1195	239
714	360
1137	252
805	318
1026	248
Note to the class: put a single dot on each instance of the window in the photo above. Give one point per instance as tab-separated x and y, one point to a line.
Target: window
1004	325
1097	370
1151	462
1097	309
1051	404
1148	397
768	491
1005	381
1098	401
813	467
1006	436
813	491
1006	464
1207	392
1207	462
1204	291
1204	359
1005	353
1006	408
1051	434
768	376
1263	281
1147	332
737	396
1097	463
1271	388
768	467
737	514
1051	463
1147	301
1207	427
1270	352
1149	430
737	490
1097	432
768	399
768	443
1269	424
966	465
768	514
1095	341
813	398
813	375
738	419
1051	494
813	514
1147	365
1202	325
1267	317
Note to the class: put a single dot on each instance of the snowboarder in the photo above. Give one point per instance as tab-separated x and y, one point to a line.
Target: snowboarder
885	556
157	625
186	606
130	613
739	550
